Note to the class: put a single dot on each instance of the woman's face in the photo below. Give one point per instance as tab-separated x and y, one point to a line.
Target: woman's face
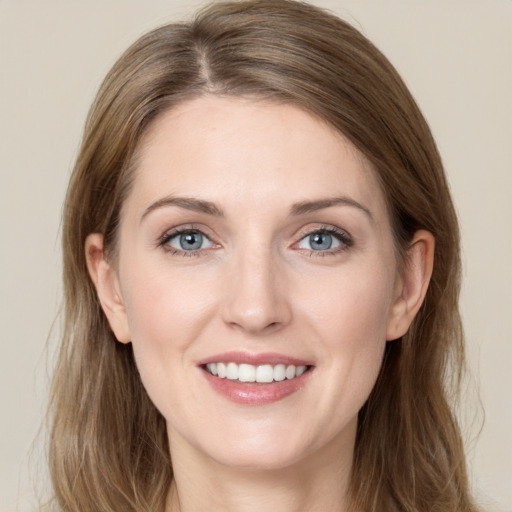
256	241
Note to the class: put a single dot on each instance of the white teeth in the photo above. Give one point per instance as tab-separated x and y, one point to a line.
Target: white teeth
212	368
221	370
247	373
279	372
300	370
264	373
232	371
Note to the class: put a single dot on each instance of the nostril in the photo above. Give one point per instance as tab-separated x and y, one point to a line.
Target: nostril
255	307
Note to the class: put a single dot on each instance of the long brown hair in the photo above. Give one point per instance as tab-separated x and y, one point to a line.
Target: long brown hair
108	444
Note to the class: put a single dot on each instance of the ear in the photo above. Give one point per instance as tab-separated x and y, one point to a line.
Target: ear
412	285
106	281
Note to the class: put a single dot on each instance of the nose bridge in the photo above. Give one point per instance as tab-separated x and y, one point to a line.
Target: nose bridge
256	301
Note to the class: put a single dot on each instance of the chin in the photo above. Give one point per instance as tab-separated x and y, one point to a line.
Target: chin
257	450
269	459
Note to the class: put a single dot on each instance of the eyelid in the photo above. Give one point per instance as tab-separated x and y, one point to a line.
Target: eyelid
164	239
341	235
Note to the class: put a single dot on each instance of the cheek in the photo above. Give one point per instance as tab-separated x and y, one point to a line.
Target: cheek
350	306
158	339
165	306
350	323
167	311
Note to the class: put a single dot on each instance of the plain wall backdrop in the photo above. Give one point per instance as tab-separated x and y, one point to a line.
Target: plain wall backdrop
456	57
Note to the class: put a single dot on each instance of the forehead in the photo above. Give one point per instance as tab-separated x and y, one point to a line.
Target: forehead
237	150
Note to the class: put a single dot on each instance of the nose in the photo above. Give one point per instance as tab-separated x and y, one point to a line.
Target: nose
256	301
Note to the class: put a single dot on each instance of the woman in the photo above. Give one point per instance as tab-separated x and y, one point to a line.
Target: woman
261	269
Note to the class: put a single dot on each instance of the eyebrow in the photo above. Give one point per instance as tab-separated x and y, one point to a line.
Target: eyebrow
313	206
187	203
301	208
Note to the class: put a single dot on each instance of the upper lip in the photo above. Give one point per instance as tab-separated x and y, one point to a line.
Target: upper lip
272	358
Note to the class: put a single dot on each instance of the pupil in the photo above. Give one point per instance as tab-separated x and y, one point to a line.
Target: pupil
191	241
321	241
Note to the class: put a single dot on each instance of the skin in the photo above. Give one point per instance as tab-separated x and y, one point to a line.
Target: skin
257	285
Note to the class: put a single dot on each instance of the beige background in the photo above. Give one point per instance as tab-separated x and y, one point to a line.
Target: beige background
456	56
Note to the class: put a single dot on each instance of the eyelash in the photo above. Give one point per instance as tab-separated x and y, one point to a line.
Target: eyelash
341	236
168	236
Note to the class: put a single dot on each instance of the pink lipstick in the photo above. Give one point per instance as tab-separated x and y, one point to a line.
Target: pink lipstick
255	379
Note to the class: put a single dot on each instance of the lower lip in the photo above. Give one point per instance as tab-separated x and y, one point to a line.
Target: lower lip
252	393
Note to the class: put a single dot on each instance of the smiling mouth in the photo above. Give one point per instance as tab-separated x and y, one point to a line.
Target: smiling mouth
261	374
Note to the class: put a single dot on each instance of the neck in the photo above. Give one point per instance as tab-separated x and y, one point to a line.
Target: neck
316	483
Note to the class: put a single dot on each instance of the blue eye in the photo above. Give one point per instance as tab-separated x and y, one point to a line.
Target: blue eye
188	241
321	241
325	241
